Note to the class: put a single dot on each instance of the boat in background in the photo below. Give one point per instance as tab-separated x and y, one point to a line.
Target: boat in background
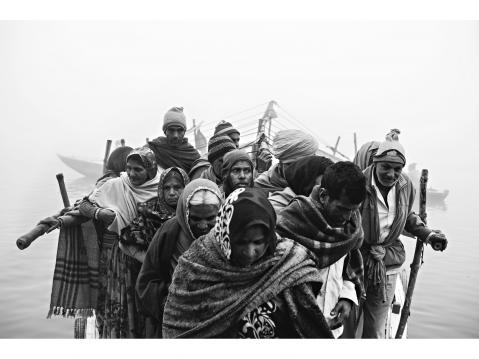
86	168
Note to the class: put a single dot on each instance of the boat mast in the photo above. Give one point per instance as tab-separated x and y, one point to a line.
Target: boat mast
261	136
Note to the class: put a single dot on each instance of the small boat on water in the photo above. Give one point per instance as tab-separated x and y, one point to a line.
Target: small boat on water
85	168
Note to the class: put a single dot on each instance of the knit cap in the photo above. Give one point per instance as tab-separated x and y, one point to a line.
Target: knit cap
174	117
218	146
225	128
391	150
233	157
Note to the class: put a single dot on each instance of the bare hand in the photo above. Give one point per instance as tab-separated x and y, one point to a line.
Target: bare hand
340	313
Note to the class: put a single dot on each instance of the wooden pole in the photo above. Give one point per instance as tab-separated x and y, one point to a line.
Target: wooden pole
107	153
355	144
336	146
417	260
122	141
63	190
40	229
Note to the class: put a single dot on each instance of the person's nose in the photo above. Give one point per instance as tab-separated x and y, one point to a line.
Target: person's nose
203	224
242	174
171	193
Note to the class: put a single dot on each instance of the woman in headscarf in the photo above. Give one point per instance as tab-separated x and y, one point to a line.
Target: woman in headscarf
195	216
301	176
114	206
136	238
240	281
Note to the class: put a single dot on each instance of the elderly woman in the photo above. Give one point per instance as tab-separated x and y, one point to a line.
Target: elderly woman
239	281
114	206
136	238
195	216
301	177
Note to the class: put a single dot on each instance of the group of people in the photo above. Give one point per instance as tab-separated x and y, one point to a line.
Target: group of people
225	246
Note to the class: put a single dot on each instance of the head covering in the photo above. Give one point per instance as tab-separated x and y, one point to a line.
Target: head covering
302	174
218	146
225	128
117	159
290	145
167	174
391	150
174	117
182	209
147	159
244	208
233	157
364	156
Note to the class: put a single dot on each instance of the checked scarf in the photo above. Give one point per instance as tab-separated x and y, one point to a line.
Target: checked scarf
303	222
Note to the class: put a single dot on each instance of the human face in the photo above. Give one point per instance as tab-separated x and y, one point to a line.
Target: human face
249	247
236	138
336	211
175	134
241	175
202	218
388	173
172	189
136	172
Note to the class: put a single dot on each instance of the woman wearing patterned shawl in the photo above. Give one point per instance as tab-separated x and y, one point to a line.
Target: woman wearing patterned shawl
240	281
137	236
113	206
195	216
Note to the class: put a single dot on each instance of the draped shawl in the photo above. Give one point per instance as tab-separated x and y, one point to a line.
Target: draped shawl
272	180
122	197
208	296
303	222
167	155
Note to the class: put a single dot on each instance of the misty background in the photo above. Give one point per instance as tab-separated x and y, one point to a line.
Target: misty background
67	86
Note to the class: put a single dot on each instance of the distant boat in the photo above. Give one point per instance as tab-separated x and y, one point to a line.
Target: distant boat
86	168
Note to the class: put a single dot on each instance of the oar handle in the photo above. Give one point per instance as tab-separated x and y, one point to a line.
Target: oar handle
63	190
27	239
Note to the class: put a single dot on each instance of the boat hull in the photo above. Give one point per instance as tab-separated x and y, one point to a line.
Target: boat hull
86	168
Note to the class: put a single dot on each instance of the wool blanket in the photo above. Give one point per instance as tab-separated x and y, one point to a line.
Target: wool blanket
209	296
182	155
75	280
303	222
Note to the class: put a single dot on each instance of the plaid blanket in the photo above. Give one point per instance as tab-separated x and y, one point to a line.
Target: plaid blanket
75	280
303	222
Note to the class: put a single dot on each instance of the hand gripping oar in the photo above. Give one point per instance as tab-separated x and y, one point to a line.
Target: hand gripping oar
40	229
417	260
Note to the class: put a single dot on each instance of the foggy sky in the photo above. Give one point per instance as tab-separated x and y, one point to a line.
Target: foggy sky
65	87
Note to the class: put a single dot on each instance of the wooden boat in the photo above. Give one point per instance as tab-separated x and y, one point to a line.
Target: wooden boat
85	168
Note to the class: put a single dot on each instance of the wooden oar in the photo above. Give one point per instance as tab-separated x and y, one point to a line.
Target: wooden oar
417	260
40	229
107	153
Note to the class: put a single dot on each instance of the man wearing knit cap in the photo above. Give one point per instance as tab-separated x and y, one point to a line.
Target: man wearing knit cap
226	128
218	146
237	171
174	149
386	213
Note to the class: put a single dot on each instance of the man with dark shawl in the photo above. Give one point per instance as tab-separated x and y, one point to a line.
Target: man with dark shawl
301	176
240	281
237	171
195	216
174	149
288	147
386	213
328	223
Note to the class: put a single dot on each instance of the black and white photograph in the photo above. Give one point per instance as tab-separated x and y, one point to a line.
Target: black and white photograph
231	178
